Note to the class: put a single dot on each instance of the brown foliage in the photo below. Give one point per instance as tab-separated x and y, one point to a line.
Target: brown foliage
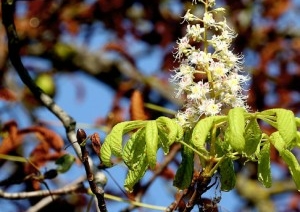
7	95
41	153
137	110
12	137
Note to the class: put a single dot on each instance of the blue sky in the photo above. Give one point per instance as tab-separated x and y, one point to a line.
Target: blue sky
97	100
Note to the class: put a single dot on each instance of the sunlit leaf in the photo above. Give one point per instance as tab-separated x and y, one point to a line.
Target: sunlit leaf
169	127
269	116
297	120
134	149
252	137
264	166
286	125
236	129
134	175
202	130
287	156
64	163
163	141
113	142
293	165
151	137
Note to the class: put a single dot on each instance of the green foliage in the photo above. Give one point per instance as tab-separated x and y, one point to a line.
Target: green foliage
113	141
217	140
290	159
139	152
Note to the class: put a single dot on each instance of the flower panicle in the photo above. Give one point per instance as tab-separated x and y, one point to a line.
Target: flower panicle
209	75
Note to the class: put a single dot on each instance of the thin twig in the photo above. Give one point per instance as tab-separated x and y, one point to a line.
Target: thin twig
76	185
43	193
8	8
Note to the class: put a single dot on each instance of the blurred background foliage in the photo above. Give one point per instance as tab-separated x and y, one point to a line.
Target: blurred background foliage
128	46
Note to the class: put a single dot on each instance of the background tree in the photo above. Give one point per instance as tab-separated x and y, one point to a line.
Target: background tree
128	46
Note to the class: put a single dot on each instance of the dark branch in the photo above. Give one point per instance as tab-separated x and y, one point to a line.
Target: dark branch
99	193
8	8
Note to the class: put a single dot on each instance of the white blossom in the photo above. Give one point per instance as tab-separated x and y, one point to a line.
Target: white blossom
206	49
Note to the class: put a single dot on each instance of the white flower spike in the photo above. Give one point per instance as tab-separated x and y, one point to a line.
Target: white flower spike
205	50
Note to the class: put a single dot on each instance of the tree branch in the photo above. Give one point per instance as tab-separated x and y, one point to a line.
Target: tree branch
98	191
8	8
73	187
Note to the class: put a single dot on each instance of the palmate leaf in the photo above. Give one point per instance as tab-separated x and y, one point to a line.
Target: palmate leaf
236	128
264	166
113	141
139	152
288	157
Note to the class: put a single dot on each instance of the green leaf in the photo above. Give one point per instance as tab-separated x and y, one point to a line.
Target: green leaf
168	130
286	126
283	120
151	137
184	174
113	142
169	127
277	141
105	154
264	166
133	176
236	129
297	143
64	163
293	165
202	129
179	132
253	136
297	120
228	178
287	156
269	116
163	141
134	149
